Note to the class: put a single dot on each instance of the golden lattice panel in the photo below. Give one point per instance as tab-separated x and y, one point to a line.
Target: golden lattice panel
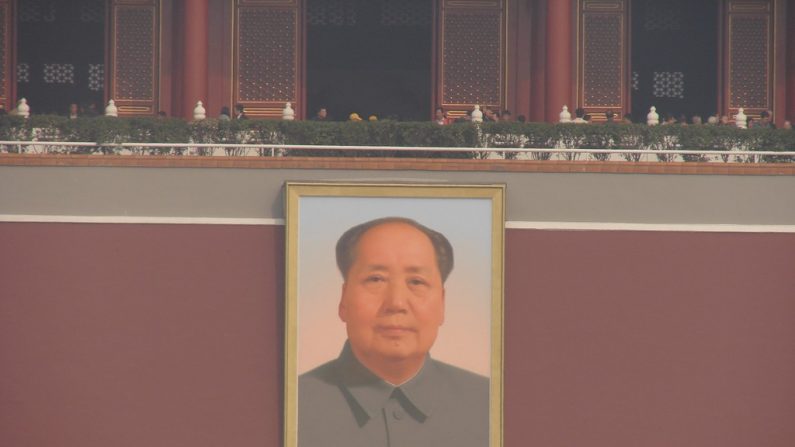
135	58
267	52
471	57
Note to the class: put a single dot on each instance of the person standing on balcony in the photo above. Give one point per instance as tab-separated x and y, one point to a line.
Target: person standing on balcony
240	112
73	111
579	114
439	117
764	121
321	115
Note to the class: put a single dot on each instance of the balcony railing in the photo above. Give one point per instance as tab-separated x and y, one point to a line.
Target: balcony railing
293	150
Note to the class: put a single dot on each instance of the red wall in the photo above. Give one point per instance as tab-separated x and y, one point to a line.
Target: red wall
171	335
128	335
649	339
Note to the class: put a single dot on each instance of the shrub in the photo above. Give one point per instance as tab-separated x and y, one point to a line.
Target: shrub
109	132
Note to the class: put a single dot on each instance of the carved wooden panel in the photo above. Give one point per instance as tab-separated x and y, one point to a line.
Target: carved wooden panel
6	50
749	25
134	56
472	53
602	55
268	56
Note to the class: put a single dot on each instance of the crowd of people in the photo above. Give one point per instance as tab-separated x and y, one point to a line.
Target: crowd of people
609	117
764	121
442	117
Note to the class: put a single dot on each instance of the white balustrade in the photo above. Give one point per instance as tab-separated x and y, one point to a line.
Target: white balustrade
653	118
288	114
565	115
199	112
741	119
477	115
111	109
23	109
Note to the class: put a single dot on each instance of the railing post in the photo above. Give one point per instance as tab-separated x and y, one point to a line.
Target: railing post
741	120
199	112
653	119
111	109
477	115
288	114
23	109
565	115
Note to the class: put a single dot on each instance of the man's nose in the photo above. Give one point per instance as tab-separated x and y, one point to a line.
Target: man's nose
397	295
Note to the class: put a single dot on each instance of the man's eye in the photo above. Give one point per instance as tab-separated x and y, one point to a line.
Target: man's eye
374	278
417	282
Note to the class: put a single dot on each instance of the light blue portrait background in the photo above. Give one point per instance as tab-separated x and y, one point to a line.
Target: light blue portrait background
463	340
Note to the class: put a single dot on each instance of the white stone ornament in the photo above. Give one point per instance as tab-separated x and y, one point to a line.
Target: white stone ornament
565	115
111	109
653	119
741	120
288	114
477	115
199	112
23	109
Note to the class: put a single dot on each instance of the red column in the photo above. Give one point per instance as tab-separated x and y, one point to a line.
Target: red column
538	65
195	73
559	57
790	114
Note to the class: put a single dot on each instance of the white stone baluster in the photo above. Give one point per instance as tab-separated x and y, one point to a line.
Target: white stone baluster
565	115
653	119
199	112
111	109
477	115
741	120
288	114
23	109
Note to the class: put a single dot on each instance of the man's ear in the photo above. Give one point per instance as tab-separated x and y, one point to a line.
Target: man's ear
443	305
342	309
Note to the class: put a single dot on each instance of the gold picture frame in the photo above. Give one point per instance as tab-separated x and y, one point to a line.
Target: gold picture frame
470	338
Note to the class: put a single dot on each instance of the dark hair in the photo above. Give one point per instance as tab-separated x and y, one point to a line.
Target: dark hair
579	112
764	114
347	243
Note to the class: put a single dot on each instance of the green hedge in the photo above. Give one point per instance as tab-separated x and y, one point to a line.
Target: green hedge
109	131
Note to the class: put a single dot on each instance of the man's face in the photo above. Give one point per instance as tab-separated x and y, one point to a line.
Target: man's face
393	297
321	113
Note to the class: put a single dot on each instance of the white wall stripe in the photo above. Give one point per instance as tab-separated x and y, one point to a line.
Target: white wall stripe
516	225
620	226
139	220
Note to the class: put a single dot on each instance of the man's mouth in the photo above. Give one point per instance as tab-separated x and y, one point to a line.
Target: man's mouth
394	330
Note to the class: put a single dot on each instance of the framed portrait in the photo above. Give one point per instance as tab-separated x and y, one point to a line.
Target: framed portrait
394	310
